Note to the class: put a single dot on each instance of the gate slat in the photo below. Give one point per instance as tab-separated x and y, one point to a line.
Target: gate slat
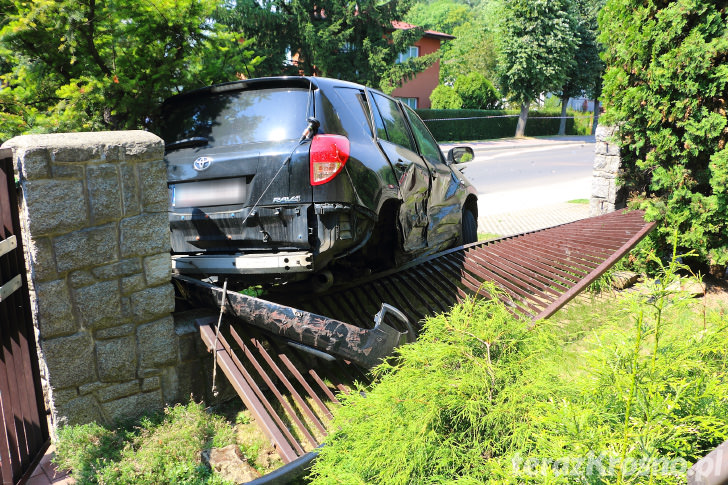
24	434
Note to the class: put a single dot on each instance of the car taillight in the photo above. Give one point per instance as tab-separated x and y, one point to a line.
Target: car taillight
329	154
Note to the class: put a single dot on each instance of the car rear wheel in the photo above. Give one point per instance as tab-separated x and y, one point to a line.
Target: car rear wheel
469	227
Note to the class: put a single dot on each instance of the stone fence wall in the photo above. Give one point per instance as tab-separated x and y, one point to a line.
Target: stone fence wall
606	194
96	230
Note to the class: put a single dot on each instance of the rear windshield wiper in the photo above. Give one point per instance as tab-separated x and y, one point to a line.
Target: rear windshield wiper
195	141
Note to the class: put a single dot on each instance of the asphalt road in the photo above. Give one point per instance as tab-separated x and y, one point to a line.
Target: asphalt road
530	178
498	170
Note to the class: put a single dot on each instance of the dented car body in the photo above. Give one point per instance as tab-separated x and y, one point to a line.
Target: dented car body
281	178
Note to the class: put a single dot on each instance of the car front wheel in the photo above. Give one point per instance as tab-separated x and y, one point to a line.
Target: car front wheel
469	227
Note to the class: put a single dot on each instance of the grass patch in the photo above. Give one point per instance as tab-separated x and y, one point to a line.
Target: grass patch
487	236
578	201
636	387
162	448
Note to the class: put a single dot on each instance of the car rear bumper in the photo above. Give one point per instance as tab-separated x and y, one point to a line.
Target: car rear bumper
247	264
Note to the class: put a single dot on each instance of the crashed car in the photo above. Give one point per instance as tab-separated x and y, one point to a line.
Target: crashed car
288	178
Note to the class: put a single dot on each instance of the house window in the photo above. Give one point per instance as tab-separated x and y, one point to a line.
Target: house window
347	47
411	102
413	51
289	61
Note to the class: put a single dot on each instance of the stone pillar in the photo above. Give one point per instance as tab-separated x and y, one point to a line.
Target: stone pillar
606	194
96	230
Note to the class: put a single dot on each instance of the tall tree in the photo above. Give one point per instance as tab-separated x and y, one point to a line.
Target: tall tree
537	46
584	77
100	64
347	40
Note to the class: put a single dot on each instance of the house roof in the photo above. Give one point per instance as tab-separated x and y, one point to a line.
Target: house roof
428	33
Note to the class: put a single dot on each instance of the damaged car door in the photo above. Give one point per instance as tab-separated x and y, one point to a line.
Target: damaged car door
410	169
444	211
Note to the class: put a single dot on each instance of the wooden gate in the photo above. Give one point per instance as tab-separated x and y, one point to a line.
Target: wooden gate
24	433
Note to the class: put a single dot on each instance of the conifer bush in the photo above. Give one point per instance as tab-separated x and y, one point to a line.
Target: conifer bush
666	86
628	393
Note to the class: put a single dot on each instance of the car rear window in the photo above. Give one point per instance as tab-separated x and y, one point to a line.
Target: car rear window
238	117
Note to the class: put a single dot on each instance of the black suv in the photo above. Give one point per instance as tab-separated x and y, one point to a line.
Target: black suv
282	178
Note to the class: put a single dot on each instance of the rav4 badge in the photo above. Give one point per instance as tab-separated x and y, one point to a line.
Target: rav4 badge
287	200
202	163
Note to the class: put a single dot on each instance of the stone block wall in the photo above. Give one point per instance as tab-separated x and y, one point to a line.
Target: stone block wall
606	194
96	230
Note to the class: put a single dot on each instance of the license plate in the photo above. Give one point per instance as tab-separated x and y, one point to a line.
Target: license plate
208	193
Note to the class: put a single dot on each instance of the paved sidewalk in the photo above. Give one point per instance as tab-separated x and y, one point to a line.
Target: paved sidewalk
521	210
47	474
527	220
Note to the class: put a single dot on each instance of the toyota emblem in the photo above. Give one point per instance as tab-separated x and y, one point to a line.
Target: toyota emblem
202	163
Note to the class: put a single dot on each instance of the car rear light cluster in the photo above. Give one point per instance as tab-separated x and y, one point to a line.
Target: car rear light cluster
328	155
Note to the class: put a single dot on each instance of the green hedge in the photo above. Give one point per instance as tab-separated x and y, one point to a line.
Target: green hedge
485	128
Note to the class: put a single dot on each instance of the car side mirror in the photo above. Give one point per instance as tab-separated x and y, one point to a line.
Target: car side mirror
460	154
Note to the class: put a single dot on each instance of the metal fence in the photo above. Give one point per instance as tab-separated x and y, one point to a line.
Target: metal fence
24	435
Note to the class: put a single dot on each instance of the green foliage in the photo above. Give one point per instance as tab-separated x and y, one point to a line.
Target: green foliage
473	49
627	393
346	40
445	97
666	85
537	43
584	78
537	46
482	128
477	92
436	408
82	66
441	15
162	448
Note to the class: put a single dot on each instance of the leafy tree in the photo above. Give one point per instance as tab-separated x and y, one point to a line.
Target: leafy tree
445	97
97	64
270	29
473	49
477	92
346	40
584	77
441	15
537	45
666	85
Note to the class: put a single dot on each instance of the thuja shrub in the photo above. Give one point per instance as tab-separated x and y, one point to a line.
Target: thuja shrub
666	86
435	414
633	392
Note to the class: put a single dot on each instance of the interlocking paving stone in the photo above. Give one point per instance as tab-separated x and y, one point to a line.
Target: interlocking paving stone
527	220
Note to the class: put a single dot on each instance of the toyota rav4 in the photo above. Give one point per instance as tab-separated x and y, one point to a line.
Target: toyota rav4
280	179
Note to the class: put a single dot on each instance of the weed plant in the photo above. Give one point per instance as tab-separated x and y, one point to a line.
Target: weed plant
633	392
161	448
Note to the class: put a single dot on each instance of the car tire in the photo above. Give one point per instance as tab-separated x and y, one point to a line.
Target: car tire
469	227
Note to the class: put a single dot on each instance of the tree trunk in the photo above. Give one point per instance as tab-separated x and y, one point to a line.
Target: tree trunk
562	123
595	119
522	118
